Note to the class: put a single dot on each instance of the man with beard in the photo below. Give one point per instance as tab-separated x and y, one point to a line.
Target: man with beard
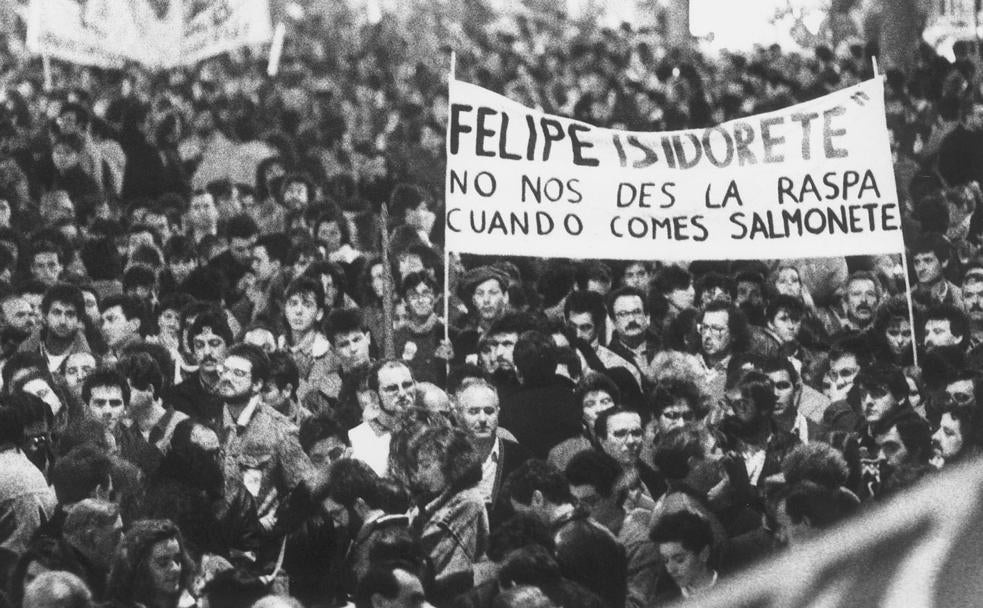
188	488
958	437
496	347
350	492
391	390
861	296
759	441
723	333
61	333
478	409
543	411
17	312
632	339
260	445
196	396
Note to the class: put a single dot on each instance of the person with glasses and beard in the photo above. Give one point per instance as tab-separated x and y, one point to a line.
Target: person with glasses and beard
260	446
189	489
632	339
749	427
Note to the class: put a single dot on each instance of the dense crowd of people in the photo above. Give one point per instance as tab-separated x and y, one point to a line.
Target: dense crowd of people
216	392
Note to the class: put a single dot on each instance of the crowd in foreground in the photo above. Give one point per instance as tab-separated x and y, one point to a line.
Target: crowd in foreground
198	407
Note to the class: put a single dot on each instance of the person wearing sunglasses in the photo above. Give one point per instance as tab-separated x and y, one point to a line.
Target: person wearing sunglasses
620	434
798	408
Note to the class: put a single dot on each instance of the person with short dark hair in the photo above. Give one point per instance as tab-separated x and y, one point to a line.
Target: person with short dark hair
586	317
317	362
945	325
542	412
485	292
633	339
959	437
685	541
266	282
930	255
209	337
391	584
752	430
260	446
352	495
420	341
123	323
61	333
145	434
587	552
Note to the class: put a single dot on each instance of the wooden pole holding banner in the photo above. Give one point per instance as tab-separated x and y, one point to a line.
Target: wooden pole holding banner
49	83
388	345
904	267
447	252
276	50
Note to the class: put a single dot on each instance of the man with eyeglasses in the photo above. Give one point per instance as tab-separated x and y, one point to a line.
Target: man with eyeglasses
619	433
259	445
478	408
632	339
391	391
722	332
798	408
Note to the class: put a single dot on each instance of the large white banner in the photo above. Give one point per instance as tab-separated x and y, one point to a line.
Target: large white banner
813	180
155	33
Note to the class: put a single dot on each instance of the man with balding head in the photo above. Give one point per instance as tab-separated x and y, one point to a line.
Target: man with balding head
478	408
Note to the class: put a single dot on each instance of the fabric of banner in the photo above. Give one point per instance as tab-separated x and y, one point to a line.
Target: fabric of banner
812	180
108	33
920	549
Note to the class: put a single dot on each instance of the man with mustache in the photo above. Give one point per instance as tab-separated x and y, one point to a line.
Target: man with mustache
209	338
260	446
930	258
861	295
972	292
723	332
958	437
632	339
478	407
389	392
496	347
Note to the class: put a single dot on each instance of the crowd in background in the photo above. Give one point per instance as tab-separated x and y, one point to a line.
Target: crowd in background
215	392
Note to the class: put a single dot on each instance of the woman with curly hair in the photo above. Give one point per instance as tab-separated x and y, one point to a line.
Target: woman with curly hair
151	568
